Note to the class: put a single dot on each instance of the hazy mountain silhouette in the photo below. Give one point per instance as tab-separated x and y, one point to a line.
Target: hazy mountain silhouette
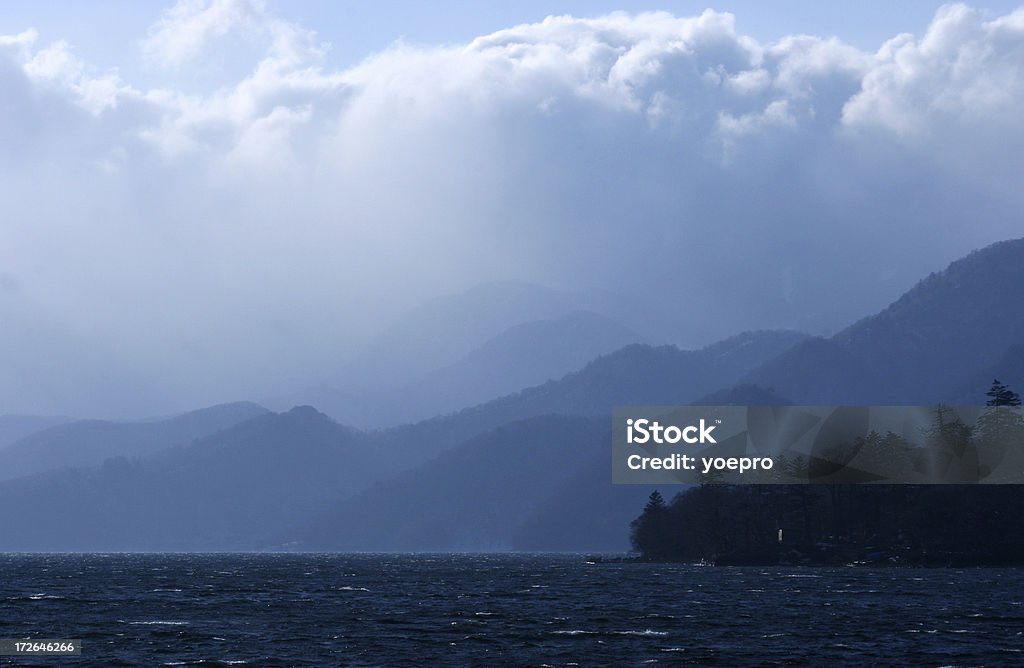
538	484
444	329
229	490
590	511
364	409
926	346
522	356
636	374
820	371
950	327
88	442
469	498
16	427
585	513
524	470
253	481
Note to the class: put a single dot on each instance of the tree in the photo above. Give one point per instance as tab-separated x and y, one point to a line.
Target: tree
655	503
1001	395
650	532
1000	434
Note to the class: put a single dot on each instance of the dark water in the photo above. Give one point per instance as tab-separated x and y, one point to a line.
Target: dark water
427	610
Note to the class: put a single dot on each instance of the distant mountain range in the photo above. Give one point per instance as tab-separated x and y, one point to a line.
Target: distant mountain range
233	489
83	443
469	497
636	374
538	484
256	483
13	428
523	355
528	470
440	332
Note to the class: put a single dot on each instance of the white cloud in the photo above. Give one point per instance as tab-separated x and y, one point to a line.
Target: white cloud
775	114
189	28
965	70
56	67
21	42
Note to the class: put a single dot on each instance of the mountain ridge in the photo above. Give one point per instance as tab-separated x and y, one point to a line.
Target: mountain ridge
922	348
88	442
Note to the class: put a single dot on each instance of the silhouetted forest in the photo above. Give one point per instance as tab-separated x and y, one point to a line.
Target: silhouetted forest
829	524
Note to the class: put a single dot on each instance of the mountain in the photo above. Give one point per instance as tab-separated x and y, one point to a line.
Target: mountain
1009	369
16	427
636	374
743	395
543	483
444	329
924	347
249	484
522	356
230	490
594	515
821	371
89	442
530	470
585	513
469	498
364	409
521	471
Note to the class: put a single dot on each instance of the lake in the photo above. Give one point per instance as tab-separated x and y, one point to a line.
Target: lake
529	610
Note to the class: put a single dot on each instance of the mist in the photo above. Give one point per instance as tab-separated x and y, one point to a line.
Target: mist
168	247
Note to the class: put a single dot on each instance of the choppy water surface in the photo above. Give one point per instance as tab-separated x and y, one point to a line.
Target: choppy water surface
388	610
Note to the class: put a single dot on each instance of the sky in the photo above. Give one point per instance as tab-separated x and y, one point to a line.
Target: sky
107	33
221	199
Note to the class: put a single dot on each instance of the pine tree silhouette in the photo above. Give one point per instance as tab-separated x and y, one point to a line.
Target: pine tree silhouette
1000	395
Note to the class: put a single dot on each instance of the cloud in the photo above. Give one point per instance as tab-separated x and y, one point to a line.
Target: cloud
241	238
963	71
192	27
187	29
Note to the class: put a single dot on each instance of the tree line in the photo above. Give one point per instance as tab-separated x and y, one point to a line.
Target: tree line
952	524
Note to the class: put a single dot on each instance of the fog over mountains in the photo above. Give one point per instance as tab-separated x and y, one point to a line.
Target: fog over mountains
83	443
529	470
526	353
228	212
15	427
